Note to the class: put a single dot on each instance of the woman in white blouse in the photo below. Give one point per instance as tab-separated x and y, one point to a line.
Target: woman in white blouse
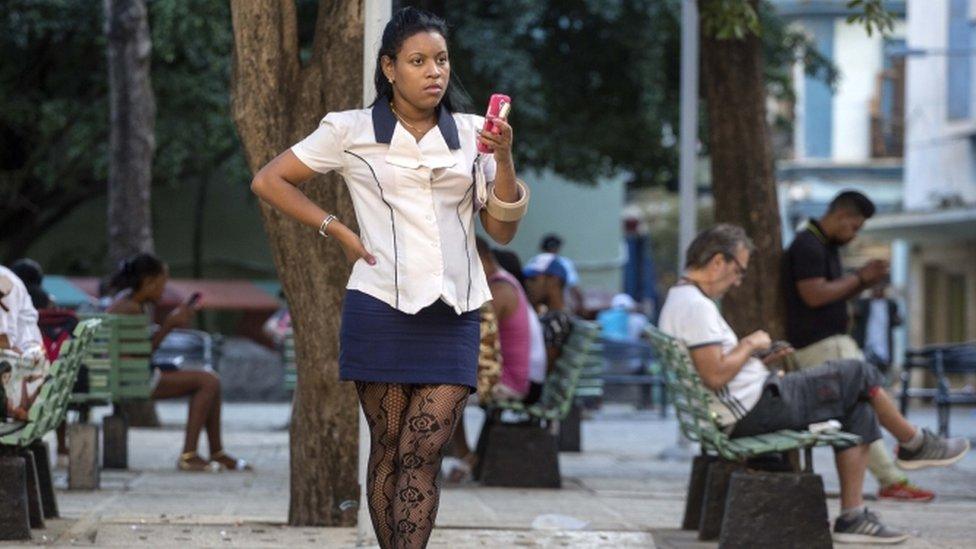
410	326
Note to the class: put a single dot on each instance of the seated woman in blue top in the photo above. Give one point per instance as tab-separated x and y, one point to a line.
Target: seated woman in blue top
410	330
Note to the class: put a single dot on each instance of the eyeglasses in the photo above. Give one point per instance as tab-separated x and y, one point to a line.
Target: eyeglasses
740	270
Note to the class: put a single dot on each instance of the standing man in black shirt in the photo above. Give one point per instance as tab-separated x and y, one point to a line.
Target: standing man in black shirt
818	323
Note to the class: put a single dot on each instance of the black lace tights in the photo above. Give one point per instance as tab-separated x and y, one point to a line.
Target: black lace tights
409	426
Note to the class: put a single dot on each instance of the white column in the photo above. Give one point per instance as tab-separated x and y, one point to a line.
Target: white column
687	171
689	128
376	13
900	279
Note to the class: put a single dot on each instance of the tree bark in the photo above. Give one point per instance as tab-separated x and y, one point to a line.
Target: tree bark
132	142
743	180
132	122
276	101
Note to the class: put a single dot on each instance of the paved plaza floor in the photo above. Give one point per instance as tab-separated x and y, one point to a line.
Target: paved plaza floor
626	489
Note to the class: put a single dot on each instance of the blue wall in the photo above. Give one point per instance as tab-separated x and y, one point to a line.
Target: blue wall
960	64
818	98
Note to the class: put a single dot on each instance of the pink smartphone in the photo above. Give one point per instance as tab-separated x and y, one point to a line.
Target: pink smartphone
498	106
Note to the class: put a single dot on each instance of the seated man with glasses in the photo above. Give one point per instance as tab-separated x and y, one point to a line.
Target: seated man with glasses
750	400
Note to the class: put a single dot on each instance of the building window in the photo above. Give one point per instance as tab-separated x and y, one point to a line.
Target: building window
959	61
888	105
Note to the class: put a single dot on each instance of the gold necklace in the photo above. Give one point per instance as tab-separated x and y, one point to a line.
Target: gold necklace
402	121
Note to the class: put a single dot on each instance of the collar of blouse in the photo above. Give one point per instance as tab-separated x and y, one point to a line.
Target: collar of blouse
434	148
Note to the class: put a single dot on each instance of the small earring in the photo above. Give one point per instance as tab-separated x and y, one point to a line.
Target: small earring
391	81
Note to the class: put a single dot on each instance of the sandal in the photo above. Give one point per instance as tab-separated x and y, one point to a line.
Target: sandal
192	462
223	460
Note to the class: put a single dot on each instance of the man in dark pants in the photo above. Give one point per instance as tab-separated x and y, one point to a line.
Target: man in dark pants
875	319
818	323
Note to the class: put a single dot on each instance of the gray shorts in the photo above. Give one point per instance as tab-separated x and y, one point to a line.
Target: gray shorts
834	390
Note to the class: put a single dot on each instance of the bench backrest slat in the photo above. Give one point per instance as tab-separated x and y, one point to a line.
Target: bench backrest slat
580	352
118	361
688	394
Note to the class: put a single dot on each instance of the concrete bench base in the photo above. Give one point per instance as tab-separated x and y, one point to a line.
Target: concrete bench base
696	491
775	510
35	508
42	460
83	462
15	518
714	498
520	456
570	439
748	508
115	441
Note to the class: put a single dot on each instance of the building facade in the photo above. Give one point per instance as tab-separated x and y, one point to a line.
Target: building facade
935	234
848	135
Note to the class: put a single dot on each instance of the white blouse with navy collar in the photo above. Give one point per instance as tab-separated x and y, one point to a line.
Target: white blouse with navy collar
415	203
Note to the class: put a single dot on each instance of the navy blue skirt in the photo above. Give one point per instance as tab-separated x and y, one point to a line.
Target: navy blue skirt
381	344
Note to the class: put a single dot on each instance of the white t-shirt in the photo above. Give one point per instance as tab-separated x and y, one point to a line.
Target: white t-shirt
694	319
416	203
537	348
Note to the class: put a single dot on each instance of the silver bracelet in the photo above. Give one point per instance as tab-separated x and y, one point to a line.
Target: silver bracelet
325	225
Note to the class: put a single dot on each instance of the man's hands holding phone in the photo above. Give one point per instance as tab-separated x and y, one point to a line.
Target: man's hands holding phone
873	272
765	349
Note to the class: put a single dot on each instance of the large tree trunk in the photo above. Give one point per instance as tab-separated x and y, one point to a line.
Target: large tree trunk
275	102
743	181
131	139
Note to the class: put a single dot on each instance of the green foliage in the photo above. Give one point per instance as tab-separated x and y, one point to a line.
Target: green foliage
872	14
729	19
54	124
594	83
195	135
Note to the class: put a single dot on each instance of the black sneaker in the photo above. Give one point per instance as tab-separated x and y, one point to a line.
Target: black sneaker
865	528
934	451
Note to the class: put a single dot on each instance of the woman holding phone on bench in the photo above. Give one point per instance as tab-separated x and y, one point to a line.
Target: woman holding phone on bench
138	286
410	328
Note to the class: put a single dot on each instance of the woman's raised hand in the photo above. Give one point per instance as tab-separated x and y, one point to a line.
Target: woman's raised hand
501	142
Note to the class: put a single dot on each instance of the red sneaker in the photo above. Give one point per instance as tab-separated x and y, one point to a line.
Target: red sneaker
905	491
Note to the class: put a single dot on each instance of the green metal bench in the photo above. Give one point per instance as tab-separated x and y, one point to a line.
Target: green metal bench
699	424
526	453
591	378
26	468
288	360
117	361
581	352
116	370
